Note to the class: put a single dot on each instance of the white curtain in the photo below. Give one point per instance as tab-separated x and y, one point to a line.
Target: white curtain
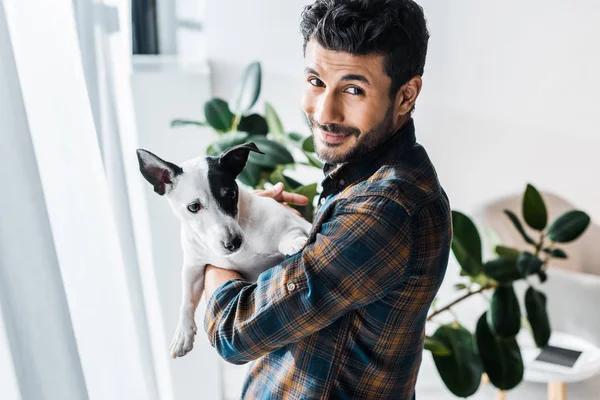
78	301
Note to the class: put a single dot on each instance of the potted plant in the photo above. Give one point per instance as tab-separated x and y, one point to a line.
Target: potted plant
462	357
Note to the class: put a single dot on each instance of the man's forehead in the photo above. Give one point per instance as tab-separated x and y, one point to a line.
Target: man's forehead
330	62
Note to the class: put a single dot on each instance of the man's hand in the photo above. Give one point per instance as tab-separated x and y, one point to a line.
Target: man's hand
215	277
283	197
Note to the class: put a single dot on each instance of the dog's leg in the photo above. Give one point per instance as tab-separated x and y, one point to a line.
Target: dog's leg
192	281
292	242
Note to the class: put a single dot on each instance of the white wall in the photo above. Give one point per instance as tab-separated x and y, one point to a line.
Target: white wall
511	89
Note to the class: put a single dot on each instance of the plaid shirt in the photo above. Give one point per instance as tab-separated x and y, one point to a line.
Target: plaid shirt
345	317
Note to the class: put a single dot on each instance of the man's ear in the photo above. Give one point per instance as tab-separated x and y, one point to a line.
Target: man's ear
158	172
407	96
234	159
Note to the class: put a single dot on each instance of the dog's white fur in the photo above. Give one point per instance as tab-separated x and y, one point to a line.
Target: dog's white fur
268	230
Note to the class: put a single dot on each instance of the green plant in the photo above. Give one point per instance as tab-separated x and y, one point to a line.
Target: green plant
461	357
235	124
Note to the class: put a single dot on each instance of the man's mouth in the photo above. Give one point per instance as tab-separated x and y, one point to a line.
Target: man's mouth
333	138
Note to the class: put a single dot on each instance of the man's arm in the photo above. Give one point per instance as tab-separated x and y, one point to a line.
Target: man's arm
215	277
359	256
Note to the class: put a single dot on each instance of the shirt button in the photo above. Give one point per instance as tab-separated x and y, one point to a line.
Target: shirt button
342	182
291	286
322	200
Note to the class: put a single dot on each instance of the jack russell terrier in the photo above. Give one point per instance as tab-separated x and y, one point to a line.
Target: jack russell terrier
222	223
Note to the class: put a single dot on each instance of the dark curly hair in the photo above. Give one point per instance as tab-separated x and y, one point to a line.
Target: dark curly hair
395	29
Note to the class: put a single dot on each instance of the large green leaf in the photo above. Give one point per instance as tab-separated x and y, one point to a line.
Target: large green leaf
537	315
247	90
218	115
309	191
295	137
228	140
277	175
502	269
466	244
504	315
254	124
501	357
534	209
436	347
461	370
507	252
294	184
309	144
528	264
273	121
182	122
519	226
275	153
568	226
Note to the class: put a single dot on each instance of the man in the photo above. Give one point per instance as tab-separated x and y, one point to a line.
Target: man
345	317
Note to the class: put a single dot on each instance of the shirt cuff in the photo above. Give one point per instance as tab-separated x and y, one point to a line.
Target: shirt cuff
218	302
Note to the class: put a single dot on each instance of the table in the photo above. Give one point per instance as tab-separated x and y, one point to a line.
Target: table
587	365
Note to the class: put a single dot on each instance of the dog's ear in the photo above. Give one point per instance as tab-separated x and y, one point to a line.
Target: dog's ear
235	158
158	172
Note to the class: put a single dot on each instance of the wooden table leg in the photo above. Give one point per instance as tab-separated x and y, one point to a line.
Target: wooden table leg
557	391
485	379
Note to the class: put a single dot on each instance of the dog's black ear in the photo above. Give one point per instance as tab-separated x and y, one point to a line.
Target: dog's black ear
158	172
235	158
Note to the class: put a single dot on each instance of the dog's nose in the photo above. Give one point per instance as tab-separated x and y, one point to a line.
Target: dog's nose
233	244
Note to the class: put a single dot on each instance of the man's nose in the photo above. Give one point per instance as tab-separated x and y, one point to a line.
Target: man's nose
329	110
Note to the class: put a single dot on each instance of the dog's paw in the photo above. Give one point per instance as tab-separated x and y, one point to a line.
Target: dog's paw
183	341
292	246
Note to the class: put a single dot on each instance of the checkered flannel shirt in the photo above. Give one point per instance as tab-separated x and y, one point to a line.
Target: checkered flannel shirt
345	317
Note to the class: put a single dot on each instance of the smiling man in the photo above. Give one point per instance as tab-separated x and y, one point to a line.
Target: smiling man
345	317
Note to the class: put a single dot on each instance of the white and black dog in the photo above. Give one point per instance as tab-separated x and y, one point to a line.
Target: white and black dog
222	224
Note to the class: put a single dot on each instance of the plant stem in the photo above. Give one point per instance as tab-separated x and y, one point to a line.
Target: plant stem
236	122
469	294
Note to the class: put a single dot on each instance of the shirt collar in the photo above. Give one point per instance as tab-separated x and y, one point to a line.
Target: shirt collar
391	149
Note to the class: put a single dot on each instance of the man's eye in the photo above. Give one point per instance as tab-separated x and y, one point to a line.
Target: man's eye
194	207
316	82
354	91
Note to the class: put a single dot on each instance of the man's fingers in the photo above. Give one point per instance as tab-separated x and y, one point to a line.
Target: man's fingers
294	198
277	193
278	188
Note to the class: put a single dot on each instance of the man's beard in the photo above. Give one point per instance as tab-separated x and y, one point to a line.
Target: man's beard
365	141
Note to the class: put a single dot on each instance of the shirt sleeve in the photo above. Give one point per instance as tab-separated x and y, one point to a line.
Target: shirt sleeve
358	256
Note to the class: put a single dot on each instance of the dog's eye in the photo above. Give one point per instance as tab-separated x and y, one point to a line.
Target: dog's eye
194	207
